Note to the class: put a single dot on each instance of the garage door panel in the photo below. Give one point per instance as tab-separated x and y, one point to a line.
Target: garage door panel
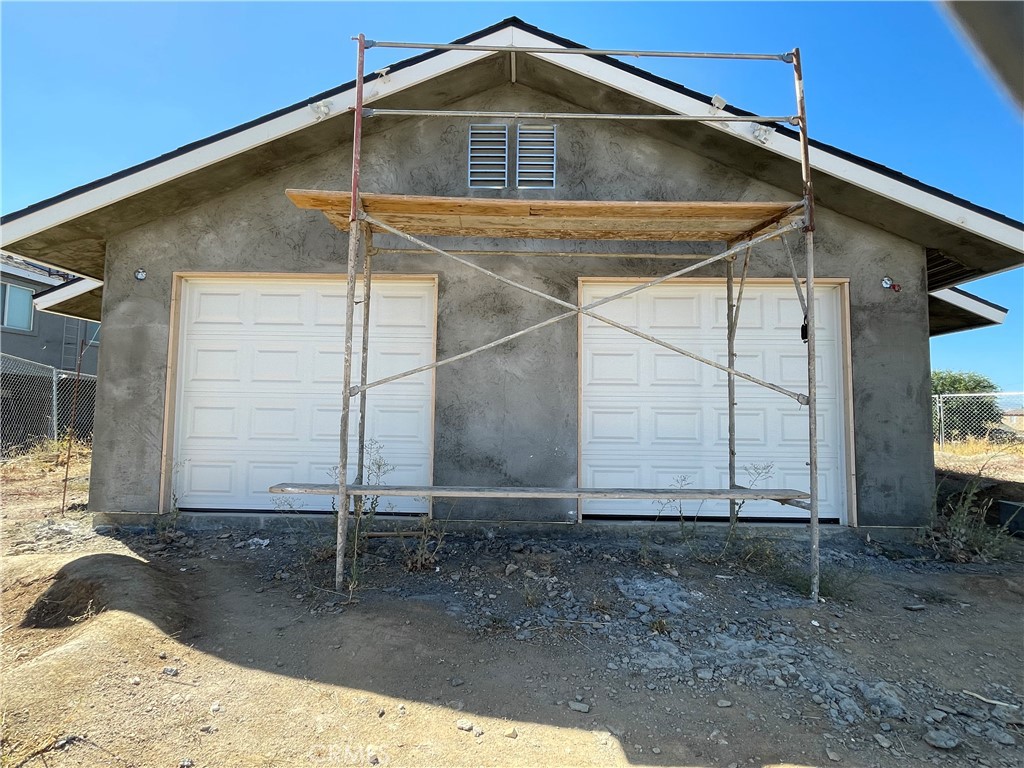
216	308
676	313
277	423
398	357
280	308
625	311
259	389
641	370
611	367
786	316
397	307
752	312
609	423
792	423
209	477
214	363
669	411
751	427
278	363
612	424
750	361
670	369
675	426
211	421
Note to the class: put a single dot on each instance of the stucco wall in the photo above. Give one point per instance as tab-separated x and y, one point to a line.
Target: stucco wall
507	417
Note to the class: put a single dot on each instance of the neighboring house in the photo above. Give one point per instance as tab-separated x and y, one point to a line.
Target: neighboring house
42	337
222	305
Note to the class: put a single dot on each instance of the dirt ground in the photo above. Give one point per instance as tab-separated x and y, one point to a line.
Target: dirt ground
591	647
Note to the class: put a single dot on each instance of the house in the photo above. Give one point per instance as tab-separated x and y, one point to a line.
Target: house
223	305
42	337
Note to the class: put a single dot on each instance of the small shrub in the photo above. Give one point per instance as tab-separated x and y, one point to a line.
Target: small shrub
756	473
533	593
427	546
959	531
659	627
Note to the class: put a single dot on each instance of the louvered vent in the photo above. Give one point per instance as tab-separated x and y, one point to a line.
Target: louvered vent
535	156
488	156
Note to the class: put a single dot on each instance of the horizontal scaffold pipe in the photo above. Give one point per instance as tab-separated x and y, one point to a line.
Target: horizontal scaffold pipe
586	310
554	254
712	118
783	57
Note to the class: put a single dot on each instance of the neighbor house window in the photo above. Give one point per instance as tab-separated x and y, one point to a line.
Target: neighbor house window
16	307
490	158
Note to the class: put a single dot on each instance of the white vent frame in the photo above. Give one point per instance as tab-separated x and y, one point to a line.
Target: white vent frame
536	156
487	156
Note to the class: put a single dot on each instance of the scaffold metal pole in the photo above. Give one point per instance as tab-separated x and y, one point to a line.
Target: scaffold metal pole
812	373
364	364
784	57
354	247
730	337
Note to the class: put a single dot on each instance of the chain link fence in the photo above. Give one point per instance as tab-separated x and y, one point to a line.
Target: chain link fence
995	418
38	401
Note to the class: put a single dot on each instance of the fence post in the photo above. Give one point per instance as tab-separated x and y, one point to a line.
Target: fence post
53	404
942	422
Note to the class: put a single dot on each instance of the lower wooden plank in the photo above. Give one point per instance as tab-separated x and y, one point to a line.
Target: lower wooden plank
476	492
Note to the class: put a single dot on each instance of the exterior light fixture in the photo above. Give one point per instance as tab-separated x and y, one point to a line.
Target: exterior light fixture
140	274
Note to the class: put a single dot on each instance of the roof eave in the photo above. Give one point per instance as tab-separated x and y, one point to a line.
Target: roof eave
971	220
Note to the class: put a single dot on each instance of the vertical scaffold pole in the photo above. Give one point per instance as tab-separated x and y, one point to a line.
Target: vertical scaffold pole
812	373
364	365
364	356
730	302
354	249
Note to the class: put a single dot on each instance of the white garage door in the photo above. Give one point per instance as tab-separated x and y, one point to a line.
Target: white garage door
651	418
259	388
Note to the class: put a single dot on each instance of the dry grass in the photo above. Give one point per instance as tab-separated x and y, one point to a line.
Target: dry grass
44	455
982	458
980	447
33	480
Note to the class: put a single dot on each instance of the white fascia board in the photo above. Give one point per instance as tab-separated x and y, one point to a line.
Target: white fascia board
970	304
823	161
229	146
37	277
70	291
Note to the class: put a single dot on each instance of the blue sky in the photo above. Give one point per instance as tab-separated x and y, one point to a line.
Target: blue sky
90	88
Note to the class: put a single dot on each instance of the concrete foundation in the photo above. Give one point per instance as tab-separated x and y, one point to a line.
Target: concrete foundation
507	417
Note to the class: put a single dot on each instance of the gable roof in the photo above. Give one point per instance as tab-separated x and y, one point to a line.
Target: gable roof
964	240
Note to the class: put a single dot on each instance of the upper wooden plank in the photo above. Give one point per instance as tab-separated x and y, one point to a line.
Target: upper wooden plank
550	219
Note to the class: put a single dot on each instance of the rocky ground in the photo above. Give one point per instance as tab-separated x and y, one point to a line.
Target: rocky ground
593	646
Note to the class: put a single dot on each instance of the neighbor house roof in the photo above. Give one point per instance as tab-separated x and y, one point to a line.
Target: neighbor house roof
963	240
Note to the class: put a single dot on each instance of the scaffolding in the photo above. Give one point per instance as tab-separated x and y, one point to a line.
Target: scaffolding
741	225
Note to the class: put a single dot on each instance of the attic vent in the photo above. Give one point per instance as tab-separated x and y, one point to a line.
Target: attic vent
535	156
488	156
